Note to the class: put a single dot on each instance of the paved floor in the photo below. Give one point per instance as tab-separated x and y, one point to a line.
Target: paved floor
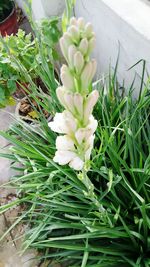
9	250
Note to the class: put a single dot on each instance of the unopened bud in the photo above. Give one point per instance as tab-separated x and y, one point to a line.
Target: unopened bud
65	42
73	21
78	103
67	78
60	95
71	52
86	76
74	33
91	45
88	30
78	62
84	46
68	97
81	23
89	104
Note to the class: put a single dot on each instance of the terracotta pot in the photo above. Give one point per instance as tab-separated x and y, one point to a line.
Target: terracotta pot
9	25
20	91
26	117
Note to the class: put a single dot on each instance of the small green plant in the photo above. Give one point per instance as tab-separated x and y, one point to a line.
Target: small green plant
6	7
50	35
18	46
22	50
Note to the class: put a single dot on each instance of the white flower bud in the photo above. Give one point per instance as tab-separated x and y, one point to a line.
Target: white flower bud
71	52
69	100
63	47
60	91
86	76
89	144
73	21
94	67
81	23
82	134
78	103
91	45
74	33
67	78
88	30
83	46
89	105
65	42
78	62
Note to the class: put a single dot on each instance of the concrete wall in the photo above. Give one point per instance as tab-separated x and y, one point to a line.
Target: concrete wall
123	24
117	23
44	8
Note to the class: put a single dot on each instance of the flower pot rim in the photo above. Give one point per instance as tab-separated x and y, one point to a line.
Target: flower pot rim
11	13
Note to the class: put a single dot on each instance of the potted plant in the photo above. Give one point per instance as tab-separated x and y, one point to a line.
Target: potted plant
22	48
8	17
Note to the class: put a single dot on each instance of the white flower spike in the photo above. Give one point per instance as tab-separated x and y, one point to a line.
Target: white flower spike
76	123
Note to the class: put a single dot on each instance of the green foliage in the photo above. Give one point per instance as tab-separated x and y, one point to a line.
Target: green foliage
68	13
22	52
6	7
18	46
50	35
64	222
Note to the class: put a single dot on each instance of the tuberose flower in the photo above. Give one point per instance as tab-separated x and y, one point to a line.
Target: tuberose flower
76	123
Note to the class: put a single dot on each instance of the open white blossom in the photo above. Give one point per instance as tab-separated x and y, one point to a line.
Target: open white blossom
76	123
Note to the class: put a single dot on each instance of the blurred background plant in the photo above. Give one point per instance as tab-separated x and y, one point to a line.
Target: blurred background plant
25	50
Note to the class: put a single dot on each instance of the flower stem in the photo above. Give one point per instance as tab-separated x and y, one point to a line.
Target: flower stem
90	190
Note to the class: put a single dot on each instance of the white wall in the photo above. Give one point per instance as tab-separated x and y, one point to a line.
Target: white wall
44	8
117	23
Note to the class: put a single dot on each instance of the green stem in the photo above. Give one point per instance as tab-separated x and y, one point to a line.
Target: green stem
90	190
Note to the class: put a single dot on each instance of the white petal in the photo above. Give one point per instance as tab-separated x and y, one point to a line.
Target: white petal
63	157
58	124
92	124
63	123
71	122
60	91
64	143
76	164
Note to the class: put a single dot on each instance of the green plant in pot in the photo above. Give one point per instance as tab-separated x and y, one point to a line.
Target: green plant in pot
8	18
15	49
